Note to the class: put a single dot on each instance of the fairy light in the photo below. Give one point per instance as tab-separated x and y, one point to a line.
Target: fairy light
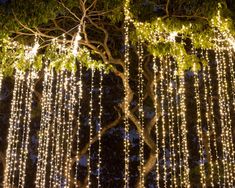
157	151
213	126
18	139
80	95
63	126
232	74
163	141
178	136
126	93
208	132
224	108
168	117
32	77
183	130
171	98
54	141
72	102
90	123
224	99
44	136
228	121
141	112
60	133
10	156
100	129
199	129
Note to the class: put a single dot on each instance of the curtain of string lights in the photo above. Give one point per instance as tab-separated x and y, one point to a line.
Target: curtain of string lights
61	112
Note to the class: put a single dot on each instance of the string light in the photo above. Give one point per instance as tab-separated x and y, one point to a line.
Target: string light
80	94
224	108
100	129
199	129
178	136
171	113
18	139
127	94
72	102
163	142
211	110
141	112
10	155
90	123
183	130
157	151
44	135
55	142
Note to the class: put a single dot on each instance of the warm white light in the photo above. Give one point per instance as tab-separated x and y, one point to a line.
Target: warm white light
172	36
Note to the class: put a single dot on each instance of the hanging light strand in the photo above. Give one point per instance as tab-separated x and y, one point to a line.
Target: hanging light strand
72	102
184	131
208	131
199	130
32	75
171	107
163	141
127	94
157	151
90	123
212	118
80	95
141	111
222	109
18	119
100	129
12	131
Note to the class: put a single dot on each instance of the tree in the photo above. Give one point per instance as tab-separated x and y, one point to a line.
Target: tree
102	30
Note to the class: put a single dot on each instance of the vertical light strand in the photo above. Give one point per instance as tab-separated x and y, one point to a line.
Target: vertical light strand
48	127
42	133
90	123
127	94
163	114
228	120
228	108
28	107
199	129
11	139
184	130
141	112
44	137
223	104
171	107
232	78
100	130
157	151
58	123
168	120
212	118
18	122
22	137
232	74
69	141
208	120
222	110
178	136
64	129
80	95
